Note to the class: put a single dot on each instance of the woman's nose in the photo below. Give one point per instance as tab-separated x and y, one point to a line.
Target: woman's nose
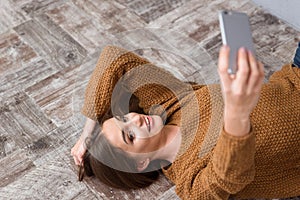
136	120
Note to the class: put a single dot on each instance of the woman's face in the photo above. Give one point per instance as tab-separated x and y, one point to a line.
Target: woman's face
133	132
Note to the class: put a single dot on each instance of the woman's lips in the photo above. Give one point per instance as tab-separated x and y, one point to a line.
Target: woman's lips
148	121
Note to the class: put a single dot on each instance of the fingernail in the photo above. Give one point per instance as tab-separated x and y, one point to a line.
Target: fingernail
251	53
224	47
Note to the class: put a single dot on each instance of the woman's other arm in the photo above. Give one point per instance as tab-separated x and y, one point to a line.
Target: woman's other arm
79	148
113	63
116	64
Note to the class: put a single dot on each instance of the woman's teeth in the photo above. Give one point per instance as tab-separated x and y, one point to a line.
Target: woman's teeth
147	123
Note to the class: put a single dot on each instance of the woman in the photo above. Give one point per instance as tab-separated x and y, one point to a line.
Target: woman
241	142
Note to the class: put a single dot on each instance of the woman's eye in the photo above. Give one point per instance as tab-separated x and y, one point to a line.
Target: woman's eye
124	119
131	136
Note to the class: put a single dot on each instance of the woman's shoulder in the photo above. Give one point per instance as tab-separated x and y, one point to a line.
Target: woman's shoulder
287	74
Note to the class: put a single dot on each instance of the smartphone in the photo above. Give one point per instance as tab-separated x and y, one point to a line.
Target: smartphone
236	33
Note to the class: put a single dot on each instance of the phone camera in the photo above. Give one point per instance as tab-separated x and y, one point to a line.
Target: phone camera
227	12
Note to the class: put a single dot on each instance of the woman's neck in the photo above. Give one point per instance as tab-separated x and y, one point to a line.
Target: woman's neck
170	143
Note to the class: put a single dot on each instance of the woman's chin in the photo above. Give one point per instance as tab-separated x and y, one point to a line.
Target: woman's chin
156	125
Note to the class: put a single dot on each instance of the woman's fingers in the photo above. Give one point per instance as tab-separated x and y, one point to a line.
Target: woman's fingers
223	63
243	70
74	156
76	160
77	152
256	76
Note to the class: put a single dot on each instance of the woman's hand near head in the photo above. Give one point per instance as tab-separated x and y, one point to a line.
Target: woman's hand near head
78	151
240	91
79	148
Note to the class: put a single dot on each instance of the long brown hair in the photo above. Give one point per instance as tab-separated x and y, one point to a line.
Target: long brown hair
103	161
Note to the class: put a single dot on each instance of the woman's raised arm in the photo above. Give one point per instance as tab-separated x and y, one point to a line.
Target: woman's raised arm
113	63
231	166
146	81
240	91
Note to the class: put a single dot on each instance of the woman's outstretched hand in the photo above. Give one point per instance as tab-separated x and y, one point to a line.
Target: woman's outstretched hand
240	91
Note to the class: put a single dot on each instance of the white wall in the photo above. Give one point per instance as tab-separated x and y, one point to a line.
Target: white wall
286	10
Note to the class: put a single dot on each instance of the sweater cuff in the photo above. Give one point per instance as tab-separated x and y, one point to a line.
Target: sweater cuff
88	113
233	157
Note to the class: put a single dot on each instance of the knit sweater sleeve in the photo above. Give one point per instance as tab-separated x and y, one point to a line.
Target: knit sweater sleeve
117	66
227	172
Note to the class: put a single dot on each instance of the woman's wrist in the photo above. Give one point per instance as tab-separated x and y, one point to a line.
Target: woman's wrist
237	125
88	128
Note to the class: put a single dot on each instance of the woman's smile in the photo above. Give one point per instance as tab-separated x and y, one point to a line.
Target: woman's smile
148	121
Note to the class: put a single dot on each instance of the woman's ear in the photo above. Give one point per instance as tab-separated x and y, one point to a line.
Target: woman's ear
142	164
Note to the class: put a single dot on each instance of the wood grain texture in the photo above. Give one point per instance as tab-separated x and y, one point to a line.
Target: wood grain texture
169	195
53	180
14	81
81	25
151	10
14	52
10	17
13	167
61	95
151	192
110	15
22	121
53	43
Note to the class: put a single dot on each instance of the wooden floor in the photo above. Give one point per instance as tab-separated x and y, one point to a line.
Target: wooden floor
48	50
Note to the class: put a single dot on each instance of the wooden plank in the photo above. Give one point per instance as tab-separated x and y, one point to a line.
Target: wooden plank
81	26
197	20
7	145
110	15
48	148
169	195
62	94
151	10
151	192
57	47
22	121
14	81
142	39
52	180
32	8
14	166
14	52
86	194
10	17
275	43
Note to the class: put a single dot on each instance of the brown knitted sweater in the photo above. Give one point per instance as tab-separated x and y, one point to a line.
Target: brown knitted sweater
211	164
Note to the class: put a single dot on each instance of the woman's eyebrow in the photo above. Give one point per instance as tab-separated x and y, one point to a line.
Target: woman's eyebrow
123	136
